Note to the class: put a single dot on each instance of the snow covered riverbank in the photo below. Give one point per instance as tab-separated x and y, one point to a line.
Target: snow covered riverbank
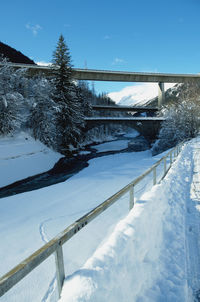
140	257
21	156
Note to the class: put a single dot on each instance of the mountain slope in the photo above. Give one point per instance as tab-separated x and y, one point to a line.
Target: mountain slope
187	91
137	94
146	94
13	55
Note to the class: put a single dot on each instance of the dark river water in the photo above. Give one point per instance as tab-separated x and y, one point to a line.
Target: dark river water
62	170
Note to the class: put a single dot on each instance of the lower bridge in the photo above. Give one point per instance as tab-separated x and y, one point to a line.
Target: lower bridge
147	126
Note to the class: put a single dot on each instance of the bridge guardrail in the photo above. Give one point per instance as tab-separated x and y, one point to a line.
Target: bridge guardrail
55	245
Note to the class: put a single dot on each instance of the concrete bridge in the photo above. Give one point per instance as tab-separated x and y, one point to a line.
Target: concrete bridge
115	76
147	126
119	76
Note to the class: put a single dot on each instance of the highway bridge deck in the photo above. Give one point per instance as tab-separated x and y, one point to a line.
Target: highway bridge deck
116	76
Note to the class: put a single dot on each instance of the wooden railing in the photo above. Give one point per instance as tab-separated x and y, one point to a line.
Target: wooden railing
55	245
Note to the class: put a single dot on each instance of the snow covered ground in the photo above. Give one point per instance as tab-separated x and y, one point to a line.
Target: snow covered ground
144	259
21	156
146	255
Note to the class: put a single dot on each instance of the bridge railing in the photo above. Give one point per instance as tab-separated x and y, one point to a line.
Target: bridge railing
55	245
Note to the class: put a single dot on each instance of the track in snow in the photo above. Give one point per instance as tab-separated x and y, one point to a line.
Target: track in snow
52	285
50	293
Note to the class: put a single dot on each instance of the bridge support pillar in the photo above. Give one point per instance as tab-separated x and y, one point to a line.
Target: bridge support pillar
161	94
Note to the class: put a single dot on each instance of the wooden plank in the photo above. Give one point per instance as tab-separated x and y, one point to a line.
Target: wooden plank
26	266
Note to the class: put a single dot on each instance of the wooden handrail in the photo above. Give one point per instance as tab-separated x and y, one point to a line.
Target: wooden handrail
55	245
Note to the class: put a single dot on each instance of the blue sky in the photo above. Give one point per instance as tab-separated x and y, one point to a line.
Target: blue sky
142	35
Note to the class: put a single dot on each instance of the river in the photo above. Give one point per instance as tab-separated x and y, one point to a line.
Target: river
67	167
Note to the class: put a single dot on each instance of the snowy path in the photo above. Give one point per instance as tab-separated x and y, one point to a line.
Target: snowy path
193	227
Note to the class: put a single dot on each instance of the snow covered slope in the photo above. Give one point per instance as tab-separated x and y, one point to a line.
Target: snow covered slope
149	253
21	156
146	255
29	220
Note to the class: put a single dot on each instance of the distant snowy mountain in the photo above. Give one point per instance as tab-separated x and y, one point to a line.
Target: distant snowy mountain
42	63
139	93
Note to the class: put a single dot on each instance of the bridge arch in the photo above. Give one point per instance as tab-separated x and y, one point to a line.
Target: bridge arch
148	127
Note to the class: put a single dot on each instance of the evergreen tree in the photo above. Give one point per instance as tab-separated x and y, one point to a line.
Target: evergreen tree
70	119
63	73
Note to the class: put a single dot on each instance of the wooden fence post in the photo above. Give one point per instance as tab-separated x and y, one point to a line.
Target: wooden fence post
60	271
131	198
165	165
154	176
170	159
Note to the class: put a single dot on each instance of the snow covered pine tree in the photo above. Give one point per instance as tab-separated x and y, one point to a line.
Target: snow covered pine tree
11	100
70	118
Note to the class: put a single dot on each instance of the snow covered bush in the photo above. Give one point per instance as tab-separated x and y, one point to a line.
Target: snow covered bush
10	113
11	100
182	122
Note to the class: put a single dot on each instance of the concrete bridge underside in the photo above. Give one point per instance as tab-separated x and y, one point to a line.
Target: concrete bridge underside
148	127
125	108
